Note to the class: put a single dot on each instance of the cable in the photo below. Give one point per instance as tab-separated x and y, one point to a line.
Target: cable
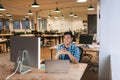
18	61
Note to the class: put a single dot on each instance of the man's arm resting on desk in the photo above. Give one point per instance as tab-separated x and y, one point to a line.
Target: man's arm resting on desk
72	58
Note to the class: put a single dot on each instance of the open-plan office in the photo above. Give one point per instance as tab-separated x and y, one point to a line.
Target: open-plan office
45	23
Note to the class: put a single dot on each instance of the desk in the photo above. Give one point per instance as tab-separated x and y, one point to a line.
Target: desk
5	35
75	73
59	37
3	44
92	48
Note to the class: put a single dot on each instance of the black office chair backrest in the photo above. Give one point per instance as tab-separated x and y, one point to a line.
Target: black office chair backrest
81	53
84	57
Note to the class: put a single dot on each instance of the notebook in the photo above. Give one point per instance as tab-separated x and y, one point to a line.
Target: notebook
57	66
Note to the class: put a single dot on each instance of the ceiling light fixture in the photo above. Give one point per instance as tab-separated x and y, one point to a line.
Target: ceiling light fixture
39	17
90	7
30	12
55	17
49	15
75	15
26	16
1	14
81	1
62	16
35	4
57	9
2	8
71	14
8	14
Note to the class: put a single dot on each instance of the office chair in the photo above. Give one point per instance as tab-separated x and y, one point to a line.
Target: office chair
81	53
84	57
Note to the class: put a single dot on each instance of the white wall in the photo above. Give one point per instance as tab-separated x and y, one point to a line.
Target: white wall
109	38
69	23
66	24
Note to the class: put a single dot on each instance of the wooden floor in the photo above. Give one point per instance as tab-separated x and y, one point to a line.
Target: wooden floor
6	64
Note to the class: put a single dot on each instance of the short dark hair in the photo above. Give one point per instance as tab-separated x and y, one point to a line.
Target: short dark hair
69	33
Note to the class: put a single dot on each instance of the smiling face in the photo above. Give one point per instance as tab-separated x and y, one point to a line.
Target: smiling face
67	40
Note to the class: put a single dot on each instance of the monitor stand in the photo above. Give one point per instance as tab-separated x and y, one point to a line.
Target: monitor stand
19	67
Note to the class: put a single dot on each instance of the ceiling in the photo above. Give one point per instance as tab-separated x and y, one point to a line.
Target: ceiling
21	7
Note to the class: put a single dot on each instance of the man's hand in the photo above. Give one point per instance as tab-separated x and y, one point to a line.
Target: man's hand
63	51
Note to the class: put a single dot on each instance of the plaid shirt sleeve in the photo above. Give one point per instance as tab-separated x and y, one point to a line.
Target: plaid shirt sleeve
76	53
61	57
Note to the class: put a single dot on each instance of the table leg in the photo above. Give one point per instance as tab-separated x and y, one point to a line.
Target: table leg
51	54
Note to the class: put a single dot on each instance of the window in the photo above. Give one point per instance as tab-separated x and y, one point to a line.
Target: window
44	24
7	25
1	24
16	24
25	24
39	22
32	23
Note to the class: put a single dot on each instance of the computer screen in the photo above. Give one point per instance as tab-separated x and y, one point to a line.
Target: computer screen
25	50
86	39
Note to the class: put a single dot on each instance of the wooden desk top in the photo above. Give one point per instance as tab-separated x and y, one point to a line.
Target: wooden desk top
75	73
6	34
6	68
50	35
3	40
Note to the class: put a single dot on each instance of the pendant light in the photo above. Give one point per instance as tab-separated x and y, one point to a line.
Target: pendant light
39	17
2	8
1	14
75	15
90	7
35	4
49	14
57	10
71	13
29	12
81	1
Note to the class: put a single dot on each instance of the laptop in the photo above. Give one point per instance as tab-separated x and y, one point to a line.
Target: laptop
57	66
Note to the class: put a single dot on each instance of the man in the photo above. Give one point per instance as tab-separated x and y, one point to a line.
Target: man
68	50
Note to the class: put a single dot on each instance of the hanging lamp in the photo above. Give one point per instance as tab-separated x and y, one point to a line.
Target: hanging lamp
81	1
90	7
2	8
35	4
57	9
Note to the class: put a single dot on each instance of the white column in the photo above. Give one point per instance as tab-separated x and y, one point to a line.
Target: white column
109	39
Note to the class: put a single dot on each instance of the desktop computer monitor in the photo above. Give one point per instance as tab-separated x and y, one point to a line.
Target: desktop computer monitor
25	52
86	39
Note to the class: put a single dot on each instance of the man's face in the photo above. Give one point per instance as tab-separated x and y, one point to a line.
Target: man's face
67	39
